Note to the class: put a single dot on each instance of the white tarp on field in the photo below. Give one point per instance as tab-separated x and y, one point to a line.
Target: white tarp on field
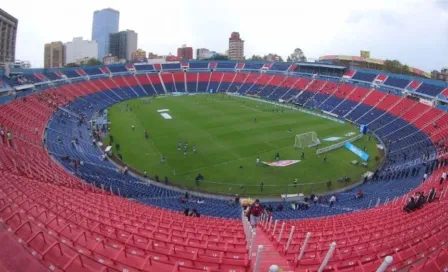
282	163
163	110
166	115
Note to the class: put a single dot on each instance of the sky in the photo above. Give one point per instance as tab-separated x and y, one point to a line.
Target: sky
413	31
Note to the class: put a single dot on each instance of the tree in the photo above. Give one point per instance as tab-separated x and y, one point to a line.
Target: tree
296	56
218	57
93	61
71	65
273	57
255	58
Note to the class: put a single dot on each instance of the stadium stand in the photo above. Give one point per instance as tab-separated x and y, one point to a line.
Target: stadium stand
363	76
144	67
72	211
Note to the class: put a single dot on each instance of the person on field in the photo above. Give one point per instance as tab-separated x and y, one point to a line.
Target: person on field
255	212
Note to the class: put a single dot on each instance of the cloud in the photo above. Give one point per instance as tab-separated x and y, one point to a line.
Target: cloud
414	32
442	4
379	16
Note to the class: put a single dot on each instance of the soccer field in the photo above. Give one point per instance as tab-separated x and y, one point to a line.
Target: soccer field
228	141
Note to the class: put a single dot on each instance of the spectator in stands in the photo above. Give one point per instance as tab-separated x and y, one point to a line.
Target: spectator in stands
279	207
432	195
360	194
316	198
201	201
410	206
237	199
332	200
145	175
443	178
195	213
9	134
186	211
166	180
182	200
255	212
2	134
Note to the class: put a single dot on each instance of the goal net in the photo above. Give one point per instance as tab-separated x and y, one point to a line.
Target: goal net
308	139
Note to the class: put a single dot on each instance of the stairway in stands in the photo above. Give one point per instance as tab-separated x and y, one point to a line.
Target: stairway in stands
270	254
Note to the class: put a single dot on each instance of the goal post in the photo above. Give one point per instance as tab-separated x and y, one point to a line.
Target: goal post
308	139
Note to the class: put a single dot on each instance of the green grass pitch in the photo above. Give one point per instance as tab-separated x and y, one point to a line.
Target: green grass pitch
228	141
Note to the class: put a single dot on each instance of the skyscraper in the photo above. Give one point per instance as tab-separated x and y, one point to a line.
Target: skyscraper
105	22
236	47
54	55
8	32
80	50
123	44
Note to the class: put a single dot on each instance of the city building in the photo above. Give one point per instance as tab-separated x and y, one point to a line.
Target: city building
105	22
79	50
185	52
236	47
139	56
171	58
202	53
442	75
365	61
54	55
122	44
151	55
22	64
8	33
112	60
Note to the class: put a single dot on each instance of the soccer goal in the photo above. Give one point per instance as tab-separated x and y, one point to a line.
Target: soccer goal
308	139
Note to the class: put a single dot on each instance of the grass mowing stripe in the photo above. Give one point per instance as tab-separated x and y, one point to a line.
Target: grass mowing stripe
228	142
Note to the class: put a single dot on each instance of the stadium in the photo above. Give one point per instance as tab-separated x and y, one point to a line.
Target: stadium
68	202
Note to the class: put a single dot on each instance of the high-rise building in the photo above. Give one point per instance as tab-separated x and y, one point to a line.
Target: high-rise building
8	33
80	49
202	53
236	47
122	44
185	52
105	22
54	55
